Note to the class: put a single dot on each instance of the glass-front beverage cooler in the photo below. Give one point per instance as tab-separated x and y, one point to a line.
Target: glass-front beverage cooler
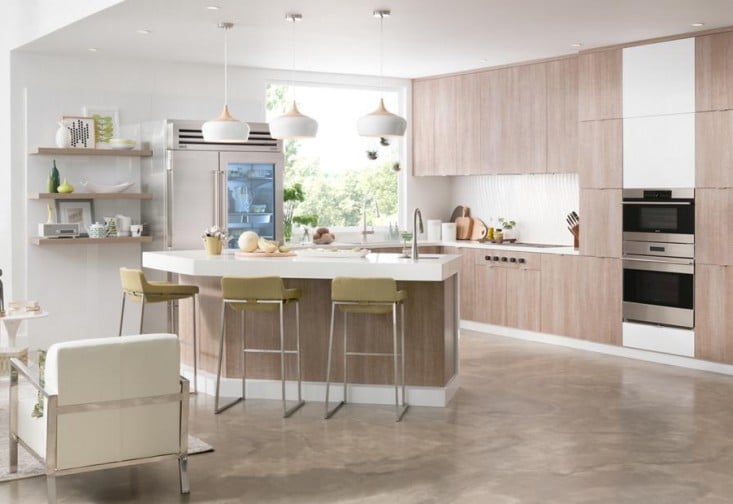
251	199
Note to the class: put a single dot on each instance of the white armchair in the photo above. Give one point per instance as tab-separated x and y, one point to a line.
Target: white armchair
108	402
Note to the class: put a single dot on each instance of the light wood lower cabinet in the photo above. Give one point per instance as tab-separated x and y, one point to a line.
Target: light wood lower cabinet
714	313
507	291
561	299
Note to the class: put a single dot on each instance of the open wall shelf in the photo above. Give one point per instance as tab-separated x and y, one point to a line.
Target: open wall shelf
37	240
85	195
93	152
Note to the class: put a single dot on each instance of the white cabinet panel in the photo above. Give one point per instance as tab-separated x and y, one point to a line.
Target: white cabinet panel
659	151
659	78
659	339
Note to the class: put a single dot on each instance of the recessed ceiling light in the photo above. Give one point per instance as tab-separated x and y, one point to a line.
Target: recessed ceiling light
697	25
212	7
143	31
92	49
483	60
576	44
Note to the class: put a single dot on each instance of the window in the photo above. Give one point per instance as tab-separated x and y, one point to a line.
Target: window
340	171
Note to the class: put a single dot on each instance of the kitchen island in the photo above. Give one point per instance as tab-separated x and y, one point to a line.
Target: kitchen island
431	325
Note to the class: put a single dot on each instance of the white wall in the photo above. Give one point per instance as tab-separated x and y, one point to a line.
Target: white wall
22	22
538	203
79	285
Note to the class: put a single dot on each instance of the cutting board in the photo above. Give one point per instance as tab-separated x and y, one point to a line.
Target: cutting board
463	226
478	230
457	212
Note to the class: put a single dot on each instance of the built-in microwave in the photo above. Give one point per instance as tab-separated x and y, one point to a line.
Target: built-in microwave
659	215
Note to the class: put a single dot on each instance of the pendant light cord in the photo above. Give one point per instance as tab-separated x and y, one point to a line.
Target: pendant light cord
381	55
292	52
226	65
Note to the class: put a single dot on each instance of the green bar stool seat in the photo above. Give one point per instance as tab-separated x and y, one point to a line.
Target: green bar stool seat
377	296
259	294
136	287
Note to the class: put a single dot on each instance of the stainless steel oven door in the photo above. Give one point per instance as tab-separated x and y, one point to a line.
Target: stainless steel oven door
659	291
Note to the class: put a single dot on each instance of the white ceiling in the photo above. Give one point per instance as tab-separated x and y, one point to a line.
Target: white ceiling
422	37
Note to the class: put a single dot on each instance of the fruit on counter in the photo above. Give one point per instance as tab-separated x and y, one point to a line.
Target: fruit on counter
267	246
248	241
284	249
65	187
322	236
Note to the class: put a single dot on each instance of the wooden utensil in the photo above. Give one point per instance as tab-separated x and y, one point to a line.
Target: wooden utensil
478	229
463	226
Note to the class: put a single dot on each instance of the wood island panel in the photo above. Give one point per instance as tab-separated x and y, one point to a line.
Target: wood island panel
429	335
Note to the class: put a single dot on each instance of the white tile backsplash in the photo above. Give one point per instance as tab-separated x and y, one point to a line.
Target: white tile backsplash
538	203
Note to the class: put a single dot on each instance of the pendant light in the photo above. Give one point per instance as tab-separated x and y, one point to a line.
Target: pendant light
381	122
293	124
225	128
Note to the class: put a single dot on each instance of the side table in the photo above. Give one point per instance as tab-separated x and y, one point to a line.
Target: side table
12	322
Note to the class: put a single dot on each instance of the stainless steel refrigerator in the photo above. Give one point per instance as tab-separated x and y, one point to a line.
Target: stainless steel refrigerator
197	184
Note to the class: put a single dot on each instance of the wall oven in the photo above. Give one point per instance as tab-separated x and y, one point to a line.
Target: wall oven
658	256
666	215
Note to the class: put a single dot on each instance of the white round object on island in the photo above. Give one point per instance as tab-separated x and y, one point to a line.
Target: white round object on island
248	241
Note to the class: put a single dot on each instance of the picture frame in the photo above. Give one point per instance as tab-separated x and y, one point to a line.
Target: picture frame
74	211
82	131
106	122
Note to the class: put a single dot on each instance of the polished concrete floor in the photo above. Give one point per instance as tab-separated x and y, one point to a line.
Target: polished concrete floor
532	423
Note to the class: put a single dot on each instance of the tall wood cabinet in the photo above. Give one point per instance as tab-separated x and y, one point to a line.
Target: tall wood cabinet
601	222
562	115
713	227
600	154
599	85
714	313
714	72
714	149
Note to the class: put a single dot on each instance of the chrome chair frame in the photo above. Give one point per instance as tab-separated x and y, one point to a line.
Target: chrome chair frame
286	411
142	297
17	369
399	410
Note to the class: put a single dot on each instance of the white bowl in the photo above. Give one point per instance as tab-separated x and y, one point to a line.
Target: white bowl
103	188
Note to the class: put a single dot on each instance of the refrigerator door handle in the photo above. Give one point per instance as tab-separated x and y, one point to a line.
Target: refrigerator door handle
168	202
215	208
224	200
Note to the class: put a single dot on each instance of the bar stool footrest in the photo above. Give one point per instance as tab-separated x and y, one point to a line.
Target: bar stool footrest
293	409
401	410
228	405
331	412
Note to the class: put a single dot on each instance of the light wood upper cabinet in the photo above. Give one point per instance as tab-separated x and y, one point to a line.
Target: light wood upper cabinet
600	222
600	158
467	134
713	226
562	116
714	313
714	72
514	119
714	149
423	129
599	85
444	126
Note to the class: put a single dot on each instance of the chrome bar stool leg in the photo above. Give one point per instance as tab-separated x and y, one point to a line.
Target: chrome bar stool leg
243	354
287	412
329	413
346	322
142	313
402	355
399	411
122	312
195	349
218	409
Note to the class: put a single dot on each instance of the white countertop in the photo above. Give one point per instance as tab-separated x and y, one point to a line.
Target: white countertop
429	268
559	249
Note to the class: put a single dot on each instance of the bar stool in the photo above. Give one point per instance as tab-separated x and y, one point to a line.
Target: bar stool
373	296
136	286
259	294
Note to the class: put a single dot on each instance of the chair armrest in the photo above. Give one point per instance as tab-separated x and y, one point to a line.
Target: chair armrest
18	368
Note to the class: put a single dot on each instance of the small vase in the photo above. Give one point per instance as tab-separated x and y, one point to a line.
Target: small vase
212	244
63	137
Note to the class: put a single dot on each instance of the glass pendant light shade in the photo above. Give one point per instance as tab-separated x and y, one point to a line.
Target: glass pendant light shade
381	123
225	128
293	125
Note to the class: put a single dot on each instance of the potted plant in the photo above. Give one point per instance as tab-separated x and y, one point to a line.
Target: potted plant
509	228
292	195
214	238
304	221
